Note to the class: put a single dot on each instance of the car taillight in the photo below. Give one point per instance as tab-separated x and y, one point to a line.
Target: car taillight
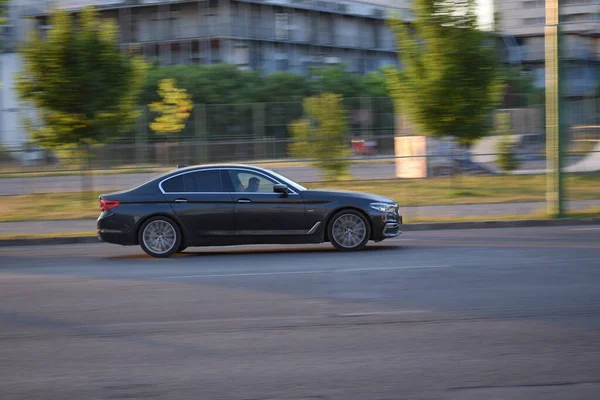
106	205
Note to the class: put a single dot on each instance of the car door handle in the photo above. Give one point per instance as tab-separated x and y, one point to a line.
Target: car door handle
181	200
244	201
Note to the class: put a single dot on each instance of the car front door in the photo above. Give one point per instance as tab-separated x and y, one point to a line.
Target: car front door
202	205
259	211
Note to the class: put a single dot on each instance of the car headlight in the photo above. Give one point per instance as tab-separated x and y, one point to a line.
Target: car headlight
385	207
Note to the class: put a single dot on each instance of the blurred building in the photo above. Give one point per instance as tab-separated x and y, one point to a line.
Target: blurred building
266	35
12	32
522	24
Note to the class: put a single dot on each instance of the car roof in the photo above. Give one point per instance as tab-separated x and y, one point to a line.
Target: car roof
195	167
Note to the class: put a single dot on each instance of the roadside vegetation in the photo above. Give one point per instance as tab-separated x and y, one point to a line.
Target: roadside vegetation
434	191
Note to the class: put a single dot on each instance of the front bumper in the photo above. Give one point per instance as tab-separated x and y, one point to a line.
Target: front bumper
392	229
387	226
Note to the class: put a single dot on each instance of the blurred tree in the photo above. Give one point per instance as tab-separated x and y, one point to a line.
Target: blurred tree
450	81
507	154
335	79
283	87
174	109
3	10
207	84
321	135
506	147
375	84
520	89
227	84
83	87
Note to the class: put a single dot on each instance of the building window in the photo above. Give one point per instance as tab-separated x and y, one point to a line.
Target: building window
282	65
579	2
534	21
281	26
579	17
534	3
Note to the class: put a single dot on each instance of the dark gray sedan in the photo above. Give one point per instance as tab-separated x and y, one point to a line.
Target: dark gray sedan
224	205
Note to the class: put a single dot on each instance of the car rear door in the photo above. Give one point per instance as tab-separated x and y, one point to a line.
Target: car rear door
201	204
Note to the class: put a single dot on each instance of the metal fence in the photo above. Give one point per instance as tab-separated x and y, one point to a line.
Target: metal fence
258	134
250	132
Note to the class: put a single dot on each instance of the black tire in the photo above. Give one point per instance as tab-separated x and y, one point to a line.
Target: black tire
181	248
170	227
356	244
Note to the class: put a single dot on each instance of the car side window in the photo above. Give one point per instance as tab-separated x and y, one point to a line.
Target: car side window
253	183
203	182
174	185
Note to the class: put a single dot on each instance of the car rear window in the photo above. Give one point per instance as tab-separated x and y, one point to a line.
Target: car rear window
203	181
174	185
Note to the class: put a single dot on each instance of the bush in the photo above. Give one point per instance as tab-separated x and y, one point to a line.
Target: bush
5	155
321	135
507	155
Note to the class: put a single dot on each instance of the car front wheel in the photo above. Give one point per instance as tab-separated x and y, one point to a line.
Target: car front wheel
160	237
349	230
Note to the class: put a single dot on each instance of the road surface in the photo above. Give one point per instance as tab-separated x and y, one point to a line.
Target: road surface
482	314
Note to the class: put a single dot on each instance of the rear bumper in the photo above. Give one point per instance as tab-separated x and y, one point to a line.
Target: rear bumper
122	238
110	230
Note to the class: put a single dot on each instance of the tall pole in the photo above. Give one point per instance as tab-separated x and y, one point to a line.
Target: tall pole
554	111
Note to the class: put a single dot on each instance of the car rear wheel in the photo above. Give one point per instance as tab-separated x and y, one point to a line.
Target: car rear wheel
160	237
349	230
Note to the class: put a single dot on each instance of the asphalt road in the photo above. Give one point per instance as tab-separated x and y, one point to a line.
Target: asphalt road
480	314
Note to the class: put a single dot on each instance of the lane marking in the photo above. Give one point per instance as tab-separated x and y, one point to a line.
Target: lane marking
306	272
585	229
300	318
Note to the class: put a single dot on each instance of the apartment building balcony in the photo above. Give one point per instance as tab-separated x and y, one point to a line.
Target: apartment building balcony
316	38
528	55
580	88
188	31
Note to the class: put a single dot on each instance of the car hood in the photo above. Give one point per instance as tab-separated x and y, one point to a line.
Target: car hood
332	194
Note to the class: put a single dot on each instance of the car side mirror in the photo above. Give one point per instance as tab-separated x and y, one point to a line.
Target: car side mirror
283	189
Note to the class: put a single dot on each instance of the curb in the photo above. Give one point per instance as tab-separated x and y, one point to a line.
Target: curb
425	226
47	241
524	223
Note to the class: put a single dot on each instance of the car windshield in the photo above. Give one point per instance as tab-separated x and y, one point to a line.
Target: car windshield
287	181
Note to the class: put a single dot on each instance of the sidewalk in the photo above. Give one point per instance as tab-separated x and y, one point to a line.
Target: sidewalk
458	211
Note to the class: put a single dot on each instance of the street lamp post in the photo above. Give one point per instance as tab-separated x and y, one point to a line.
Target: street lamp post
554	111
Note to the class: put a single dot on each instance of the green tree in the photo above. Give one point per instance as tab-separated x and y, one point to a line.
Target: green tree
283	87
83	88
3	9
207	84
174	109
374	84
520	89
335	79
450	81
321	135
506	147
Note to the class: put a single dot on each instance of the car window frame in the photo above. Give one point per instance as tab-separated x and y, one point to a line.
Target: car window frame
252	174
292	190
223	191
